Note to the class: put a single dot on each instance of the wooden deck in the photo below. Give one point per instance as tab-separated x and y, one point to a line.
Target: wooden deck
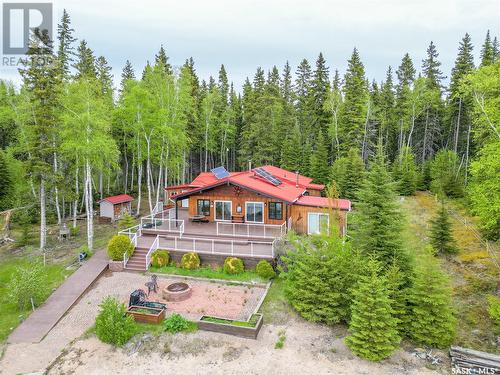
44	318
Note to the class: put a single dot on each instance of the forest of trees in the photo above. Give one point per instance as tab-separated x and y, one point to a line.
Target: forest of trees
68	137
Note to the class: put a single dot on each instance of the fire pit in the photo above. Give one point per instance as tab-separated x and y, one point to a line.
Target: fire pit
176	292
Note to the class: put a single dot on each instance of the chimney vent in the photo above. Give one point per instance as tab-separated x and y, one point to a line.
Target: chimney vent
297	179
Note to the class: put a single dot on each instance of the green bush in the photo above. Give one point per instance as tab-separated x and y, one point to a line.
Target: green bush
233	266
190	261
176	323
160	258
494	311
265	270
74	231
112	324
26	283
119	245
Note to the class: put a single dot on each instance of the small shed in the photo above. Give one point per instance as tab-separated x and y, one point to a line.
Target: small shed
113	208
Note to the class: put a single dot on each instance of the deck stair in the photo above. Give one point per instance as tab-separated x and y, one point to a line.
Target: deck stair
137	261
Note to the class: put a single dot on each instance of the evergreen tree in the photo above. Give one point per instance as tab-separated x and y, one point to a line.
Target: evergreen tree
223	84
388	126
291	154
5	179
333	105
460	105
431	316
161	59
85	62
320	87
487	51
398	288
405	172
406	71
441	235
321	272
42	82
104	76
348	173
353	117
127	74
446	176
66	39
320	170
379	229
430	68
373	328
304	99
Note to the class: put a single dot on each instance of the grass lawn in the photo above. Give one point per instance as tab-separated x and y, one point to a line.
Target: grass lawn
11	315
275	308
209	273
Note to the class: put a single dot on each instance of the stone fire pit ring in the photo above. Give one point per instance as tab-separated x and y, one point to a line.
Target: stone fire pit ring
176	292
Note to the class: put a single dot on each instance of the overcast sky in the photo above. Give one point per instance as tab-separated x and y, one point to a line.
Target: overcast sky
246	34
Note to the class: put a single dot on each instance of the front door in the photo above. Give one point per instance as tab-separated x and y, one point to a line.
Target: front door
223	210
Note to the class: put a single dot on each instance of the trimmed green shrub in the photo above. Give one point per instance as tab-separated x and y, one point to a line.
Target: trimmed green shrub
119	245
160	258
190	261
112	324
265	270
494	311
176	323
233	266
26	283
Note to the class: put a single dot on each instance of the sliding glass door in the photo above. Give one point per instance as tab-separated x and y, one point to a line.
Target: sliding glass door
254	212
223	210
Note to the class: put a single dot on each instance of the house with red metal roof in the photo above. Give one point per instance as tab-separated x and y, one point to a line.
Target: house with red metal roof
265	195
113	208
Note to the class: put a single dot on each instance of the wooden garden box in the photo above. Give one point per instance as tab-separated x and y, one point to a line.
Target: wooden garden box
150	315
230	329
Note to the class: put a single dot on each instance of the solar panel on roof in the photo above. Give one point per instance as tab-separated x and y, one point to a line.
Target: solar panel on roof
267	176
220	173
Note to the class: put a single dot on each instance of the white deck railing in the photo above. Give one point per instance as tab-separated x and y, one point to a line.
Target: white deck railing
152	249
166	225
267	249
251	230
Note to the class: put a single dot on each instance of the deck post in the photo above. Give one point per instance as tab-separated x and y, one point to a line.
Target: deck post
175	242
176	213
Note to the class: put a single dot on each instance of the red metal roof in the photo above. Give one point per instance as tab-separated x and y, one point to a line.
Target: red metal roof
116	199
288	190
307	200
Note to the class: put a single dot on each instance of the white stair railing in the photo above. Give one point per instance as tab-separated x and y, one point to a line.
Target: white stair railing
152	249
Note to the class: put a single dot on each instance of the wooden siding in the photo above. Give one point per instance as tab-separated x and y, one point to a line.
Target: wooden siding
229	193
299	217
314	193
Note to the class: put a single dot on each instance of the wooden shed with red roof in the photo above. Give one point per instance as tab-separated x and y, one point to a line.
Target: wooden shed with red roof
113	208
264	195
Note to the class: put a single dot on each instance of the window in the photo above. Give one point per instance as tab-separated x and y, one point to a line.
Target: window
254	212
275	210
204	207
317	223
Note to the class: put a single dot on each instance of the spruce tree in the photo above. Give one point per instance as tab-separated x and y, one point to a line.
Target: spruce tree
321	272
430	68
5	179
320	85
398	287
66	39
85	62
291	156
127	75
304	99
430	304
441	235
161	59
378	229
373	328
388	125
405	172
320	170
487	51
348	173
104	76
353	117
